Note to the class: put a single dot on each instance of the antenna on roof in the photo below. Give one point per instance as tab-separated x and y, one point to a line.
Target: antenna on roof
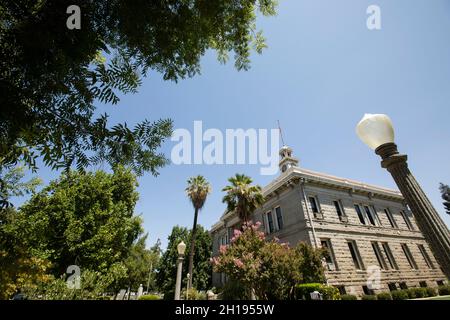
281	133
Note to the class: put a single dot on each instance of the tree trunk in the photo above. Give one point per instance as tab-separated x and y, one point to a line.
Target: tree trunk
191	252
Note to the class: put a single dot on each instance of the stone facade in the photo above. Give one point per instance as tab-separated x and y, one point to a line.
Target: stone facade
380	238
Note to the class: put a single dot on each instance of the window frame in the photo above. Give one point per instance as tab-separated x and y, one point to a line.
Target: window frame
318	214
278	218
270	222
426	256
377	251
408	222
330	251
355	255
390	257
407	252
390	218
360	214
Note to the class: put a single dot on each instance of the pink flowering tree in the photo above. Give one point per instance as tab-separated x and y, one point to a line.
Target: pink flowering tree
270	268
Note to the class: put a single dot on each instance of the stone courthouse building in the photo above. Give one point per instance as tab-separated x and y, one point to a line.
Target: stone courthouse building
367	230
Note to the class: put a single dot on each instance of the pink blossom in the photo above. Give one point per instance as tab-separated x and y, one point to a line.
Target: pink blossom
238	263
223	249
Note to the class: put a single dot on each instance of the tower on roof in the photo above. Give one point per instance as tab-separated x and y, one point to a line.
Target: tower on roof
286	159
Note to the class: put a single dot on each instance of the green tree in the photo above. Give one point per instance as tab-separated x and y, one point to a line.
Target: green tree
51	76
197	191
167	269
83	219
18	267
271	269
242	197
11	184
139	264
445	191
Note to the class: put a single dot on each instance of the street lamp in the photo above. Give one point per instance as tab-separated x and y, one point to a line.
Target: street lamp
181	249
377	132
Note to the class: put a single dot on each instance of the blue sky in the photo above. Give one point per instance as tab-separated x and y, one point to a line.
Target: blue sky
322	71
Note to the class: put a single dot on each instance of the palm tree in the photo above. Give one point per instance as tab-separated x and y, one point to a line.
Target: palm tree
197	191
242	197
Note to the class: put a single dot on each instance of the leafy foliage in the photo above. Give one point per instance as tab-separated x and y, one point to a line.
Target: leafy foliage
83	219
242	197
303	291
384	296
270	268
93	285
51	76
399	295
167	269
11	184
445	191
141	264
18	267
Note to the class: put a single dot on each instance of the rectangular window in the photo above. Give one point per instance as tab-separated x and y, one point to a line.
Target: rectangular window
378	255
339	210
440	282
368	291
314	205
375	216
342	290
423	284
409	256
403	285
407	221
389	256
426	257
369	215
391	218
355	255
230	234
329	257
392	286
279	218
270	222
360	214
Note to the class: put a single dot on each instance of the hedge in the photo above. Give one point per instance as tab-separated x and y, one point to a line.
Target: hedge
150	297
369	297
302	291
399	295
348	297
444	290
384	296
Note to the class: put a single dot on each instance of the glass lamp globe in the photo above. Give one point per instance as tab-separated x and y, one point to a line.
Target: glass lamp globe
375	130
181	248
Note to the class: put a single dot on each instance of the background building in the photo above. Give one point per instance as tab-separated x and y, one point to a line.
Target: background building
367	230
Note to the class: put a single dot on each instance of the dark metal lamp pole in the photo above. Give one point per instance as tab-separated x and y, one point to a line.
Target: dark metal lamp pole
378	133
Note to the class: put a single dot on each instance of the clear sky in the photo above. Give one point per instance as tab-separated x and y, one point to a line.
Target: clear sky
322	71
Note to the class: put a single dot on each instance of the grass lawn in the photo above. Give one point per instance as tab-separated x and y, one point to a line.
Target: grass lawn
436	298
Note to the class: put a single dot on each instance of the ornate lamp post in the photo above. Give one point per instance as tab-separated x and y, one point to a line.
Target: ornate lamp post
181	249
377	132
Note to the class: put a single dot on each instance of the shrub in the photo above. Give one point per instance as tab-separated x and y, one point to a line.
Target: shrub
328	292
193	294
414	293
348	297
444	290
431	292
369	297
384	296
234	290
399	295
150	297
